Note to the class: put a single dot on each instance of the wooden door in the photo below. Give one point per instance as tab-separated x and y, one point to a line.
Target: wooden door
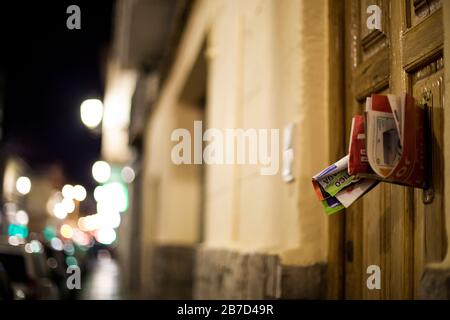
397	228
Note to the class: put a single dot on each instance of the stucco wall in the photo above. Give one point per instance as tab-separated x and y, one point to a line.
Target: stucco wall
266	69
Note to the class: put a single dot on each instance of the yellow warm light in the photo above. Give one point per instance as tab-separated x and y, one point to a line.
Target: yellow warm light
79	192
101	171
98	193
23	185
68	191
120	86
68	205
22	217
105	235
66	231
59	211
91	112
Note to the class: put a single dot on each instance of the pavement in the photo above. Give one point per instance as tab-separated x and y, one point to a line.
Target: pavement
103	282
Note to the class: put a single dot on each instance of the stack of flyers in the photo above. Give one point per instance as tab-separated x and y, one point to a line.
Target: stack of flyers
386	144
337	189
358	163
394	128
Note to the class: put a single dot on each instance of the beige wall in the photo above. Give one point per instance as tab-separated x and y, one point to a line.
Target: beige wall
266	70
446	9
265	73
267	67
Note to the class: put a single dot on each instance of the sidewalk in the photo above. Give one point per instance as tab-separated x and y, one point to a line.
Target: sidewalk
103	282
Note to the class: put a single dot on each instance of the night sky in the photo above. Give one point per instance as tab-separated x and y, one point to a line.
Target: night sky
48	71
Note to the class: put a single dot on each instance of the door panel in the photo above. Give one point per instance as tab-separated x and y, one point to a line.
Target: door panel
373	40
391	226
421	9
428	87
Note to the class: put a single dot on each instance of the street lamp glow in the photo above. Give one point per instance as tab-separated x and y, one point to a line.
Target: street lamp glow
110	220
88	223
98	193
22	217
59	211
66	231
105	235
114	197
91	112
23	185
79	192
68	205
68	191
101	171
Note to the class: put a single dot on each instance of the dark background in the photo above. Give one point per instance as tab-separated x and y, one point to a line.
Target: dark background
47	71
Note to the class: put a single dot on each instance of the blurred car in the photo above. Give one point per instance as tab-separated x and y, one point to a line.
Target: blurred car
6	292
57	264
28	273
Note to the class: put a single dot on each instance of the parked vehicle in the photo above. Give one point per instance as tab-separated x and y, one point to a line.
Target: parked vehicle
28	273
6	292
57	265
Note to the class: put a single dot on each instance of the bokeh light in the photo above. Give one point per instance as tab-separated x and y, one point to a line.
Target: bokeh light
68	191
91	111
23	185
105	236
116	196
98	193
22	217
101	171
66	231
128	174
59	211
68	205
57	244
79	192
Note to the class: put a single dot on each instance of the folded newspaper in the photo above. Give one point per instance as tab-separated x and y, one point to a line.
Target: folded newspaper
386	144
337	189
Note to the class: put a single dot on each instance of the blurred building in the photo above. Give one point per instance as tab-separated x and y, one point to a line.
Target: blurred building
12	201
28	208
46	181
226	231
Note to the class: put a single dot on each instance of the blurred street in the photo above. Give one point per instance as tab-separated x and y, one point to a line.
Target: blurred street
224	149
103	281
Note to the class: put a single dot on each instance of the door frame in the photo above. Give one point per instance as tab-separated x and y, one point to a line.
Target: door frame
336	125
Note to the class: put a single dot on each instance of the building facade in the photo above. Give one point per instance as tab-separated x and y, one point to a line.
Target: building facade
212	230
